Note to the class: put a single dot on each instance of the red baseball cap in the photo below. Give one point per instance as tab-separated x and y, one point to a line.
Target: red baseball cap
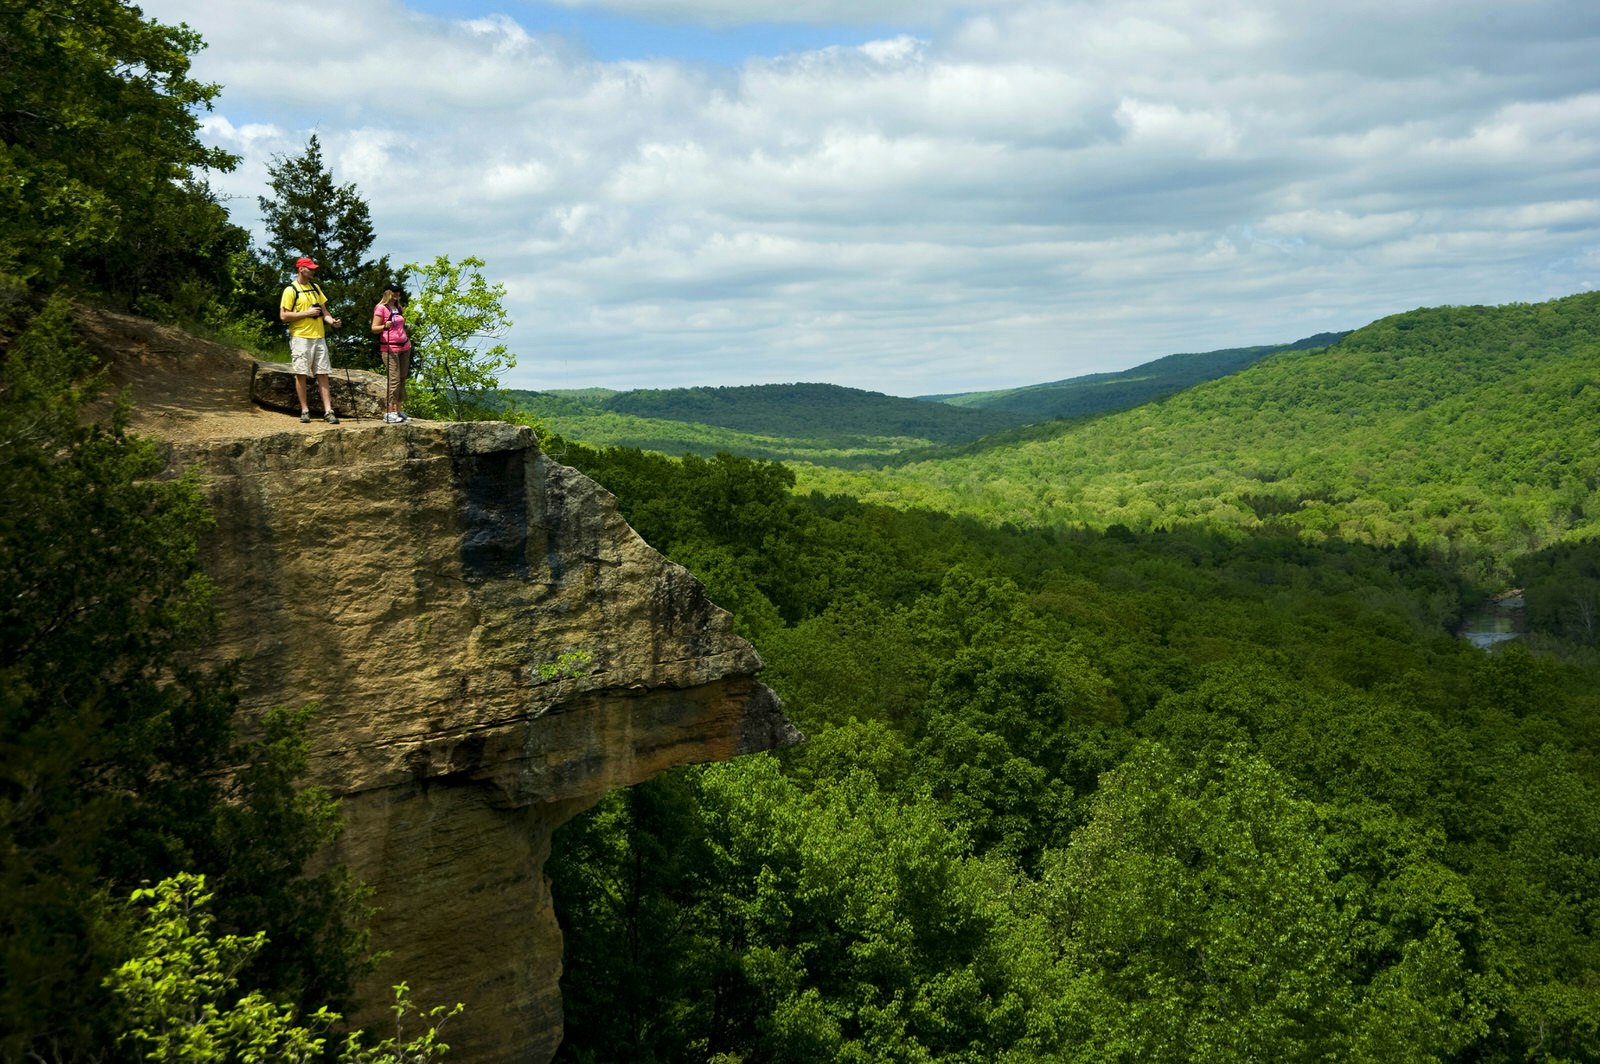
304	264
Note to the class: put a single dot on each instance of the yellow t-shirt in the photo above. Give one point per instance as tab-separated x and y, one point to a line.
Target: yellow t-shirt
298	297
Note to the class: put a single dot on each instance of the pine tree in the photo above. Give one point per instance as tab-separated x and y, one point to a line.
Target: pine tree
309	214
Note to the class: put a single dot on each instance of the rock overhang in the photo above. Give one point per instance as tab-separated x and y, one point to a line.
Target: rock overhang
489	648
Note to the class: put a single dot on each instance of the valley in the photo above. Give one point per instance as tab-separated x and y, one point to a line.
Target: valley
1130	731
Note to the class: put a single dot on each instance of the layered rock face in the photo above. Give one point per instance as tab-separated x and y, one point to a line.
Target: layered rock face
490	648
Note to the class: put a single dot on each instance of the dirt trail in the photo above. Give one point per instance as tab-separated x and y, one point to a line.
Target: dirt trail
184	388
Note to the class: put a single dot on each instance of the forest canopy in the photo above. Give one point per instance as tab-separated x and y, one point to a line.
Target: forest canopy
1180	795
1469	429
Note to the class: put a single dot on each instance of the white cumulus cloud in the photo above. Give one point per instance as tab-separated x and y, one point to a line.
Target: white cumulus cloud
986	194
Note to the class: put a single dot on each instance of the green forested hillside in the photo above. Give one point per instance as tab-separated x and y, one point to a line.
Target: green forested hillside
835	426
801	410
1185	796
1189	770
1105	393
816	422
1474	428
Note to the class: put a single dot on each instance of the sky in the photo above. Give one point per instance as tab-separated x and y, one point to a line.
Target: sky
921	196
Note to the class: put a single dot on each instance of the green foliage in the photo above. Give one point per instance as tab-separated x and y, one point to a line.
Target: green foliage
817	422
1009	735
308	214
569	664
174	989
113	747
1199	915
777	925
1187	795
1467	429
1106	393
99	145
179	997
1561	589
630	872
454	312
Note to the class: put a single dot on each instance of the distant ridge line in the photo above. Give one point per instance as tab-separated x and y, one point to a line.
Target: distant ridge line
1102	393
831	424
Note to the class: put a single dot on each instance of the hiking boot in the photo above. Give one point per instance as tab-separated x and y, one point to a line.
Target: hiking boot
398	416
305	417
331	418
392	418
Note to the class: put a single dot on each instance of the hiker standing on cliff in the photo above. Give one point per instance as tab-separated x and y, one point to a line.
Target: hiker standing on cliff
389	322
305	310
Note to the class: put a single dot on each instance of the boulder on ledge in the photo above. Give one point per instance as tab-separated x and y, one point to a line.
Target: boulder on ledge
357	393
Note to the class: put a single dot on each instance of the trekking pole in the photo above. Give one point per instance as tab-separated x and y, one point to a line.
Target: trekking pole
349	386
355	407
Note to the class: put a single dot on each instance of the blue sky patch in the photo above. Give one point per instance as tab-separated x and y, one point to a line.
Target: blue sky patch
612	37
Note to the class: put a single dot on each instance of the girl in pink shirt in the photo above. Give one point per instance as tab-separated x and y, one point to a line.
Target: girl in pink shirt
389	322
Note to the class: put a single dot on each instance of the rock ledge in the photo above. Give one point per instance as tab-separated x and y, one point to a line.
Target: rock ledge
490	648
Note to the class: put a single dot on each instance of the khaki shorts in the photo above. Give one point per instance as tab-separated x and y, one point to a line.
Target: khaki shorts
310	355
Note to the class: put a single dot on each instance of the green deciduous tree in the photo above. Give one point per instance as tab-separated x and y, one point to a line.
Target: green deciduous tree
178	991
100	152
639	963
1199	915
1011	732
454	314
731	911
861	925
180	1000
1562	588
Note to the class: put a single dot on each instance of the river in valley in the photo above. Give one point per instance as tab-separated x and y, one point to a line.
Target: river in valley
1498	621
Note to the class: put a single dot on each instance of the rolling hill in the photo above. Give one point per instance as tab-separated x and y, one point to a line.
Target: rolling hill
833	425
1104	393
1472	428
822	423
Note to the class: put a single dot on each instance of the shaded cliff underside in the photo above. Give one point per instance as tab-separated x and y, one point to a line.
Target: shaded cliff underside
490	648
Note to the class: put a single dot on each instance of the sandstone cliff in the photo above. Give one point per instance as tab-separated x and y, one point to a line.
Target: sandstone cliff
490	648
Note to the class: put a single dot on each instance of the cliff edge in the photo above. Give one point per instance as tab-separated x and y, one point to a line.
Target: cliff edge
489	646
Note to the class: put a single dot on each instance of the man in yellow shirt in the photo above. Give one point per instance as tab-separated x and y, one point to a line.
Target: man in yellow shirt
305	310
